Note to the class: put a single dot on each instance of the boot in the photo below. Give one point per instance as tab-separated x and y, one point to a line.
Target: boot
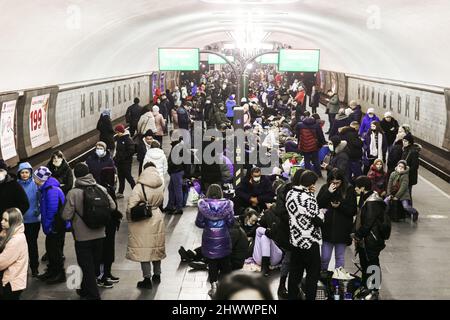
145	284
197	265
282	292
184	255
60	277
212	291
265	264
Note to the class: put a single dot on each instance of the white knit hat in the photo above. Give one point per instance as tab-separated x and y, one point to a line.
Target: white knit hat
371	110
388	114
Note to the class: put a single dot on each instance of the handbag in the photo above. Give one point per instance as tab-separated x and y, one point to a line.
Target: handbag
142	210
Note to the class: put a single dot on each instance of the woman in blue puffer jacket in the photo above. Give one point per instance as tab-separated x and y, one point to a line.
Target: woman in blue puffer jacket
215	216
31	218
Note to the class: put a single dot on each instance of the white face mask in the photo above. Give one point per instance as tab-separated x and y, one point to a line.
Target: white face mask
400	169
405	143
331	147
57	162
257	179
100	152
3	174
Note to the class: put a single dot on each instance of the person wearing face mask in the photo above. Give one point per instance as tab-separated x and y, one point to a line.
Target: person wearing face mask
410	154
305	221
12	194
31	218
255	192
398	189
356	114
367	120
342	120
378	177
124	158
396	151
99	160
375	145
61	171
390	127
339	156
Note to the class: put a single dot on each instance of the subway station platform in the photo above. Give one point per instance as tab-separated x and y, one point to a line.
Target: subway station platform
414	263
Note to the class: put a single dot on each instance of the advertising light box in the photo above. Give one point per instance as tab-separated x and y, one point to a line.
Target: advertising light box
299	60
179	59
215	59
269	58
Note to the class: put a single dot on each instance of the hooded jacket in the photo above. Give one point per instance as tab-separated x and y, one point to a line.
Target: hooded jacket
104	125
411	156
12	195
398	185
63	174
160	124
340	159
32	190
340	121
158	158
97	164
310	136
125	148
365	124
215	217
14	260
133	114
146	122
369	221
146	238
303	208
354	143
74	208
51	199
183	118
379	179
390	130
338	221
333	104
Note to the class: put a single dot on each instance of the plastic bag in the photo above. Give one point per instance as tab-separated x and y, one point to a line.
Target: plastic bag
193	197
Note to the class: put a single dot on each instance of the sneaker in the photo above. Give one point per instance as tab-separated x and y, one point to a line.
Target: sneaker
344	275
156	278
145	284
415	216
119	196
104	283
112	279
373	295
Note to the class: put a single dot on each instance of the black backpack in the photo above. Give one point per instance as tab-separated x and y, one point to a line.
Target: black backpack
96	208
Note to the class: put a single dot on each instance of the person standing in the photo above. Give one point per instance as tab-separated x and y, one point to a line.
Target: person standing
410	154
305	221
157	156
338	198
13	255
143	146
50	203
332	108
354	149
315	100
230	105
160	125
390	127
176	172
61	171
12	194
88	241
104	125
125	150
133	115
31	218
367	121
356	114
146	238
368	236
215	217
146	122
375	145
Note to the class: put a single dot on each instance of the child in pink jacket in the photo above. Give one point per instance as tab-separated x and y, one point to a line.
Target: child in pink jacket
13	255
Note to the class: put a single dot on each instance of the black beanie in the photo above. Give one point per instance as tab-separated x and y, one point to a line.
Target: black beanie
81	170
336	141
409	137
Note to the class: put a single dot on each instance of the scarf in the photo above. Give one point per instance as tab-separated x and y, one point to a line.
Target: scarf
376	151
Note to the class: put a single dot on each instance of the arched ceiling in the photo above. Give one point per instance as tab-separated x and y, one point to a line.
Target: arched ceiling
47	42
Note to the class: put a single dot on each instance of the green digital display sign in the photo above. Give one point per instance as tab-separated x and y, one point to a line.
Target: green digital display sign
299	60
179	59
215	59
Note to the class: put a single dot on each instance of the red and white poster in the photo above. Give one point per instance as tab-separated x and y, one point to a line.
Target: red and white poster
7	141
39	120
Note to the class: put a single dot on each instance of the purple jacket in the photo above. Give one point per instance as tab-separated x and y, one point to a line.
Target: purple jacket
215	217
365	124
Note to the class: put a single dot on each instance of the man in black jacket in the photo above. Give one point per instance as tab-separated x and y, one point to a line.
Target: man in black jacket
410	154
390	127
368	238
132	115
354	150
124	158
12	194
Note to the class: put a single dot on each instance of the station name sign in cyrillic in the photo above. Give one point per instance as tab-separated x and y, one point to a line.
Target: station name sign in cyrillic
293	60
179	59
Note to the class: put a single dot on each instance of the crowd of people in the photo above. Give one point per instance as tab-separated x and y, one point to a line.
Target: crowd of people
273	220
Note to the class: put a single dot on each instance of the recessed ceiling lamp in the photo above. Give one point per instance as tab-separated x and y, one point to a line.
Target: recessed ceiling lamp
252	2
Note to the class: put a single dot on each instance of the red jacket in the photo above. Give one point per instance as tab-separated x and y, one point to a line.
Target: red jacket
379	179
300	97
310	136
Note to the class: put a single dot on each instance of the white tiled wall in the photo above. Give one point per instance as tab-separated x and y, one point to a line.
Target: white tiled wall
431	121
69	120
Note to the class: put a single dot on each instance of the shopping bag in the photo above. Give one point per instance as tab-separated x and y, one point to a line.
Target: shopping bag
192	198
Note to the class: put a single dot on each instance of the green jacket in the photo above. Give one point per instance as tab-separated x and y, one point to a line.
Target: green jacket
399	181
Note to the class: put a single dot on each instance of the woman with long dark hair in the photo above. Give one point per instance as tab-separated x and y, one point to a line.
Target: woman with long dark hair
338	198
375	145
